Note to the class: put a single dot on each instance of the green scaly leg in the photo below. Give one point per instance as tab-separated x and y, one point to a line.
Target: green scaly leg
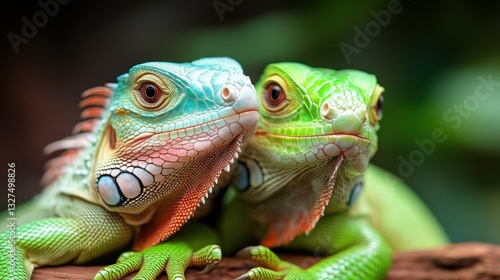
354	249
173	256
77	238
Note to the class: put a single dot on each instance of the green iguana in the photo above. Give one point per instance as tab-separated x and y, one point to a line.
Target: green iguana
147	155
304	168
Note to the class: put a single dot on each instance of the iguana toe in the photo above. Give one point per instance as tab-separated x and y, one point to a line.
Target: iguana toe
208	256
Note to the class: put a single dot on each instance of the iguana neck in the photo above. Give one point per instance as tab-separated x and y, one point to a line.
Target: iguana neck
309	190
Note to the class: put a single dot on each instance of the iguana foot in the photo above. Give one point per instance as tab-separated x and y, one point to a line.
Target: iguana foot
271	266
173	257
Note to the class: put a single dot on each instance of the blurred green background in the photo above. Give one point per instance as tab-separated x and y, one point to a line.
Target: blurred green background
430	56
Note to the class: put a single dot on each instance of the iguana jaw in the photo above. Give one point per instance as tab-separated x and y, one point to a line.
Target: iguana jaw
171	191
306	196
153	160
227	157
307	182
177	207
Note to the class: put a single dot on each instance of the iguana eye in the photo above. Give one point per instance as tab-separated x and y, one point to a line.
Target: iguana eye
150	93
275	97
379	106
275	94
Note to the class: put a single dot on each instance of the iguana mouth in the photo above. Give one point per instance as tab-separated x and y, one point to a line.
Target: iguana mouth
231	153
168	161
326	145
206	127
329	137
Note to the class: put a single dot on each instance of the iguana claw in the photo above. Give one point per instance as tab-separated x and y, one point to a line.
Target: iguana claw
172	257
260	273
208	256
272	267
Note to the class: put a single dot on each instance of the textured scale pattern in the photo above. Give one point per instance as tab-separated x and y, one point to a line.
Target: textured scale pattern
310	152
147	154
368	257
42	239
173	257
93	104
207	118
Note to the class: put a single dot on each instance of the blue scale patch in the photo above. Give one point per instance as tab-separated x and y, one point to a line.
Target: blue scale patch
129	185
240	179
356	191
108	189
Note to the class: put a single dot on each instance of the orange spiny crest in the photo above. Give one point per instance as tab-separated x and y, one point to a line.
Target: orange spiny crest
282	233
93	105
172	215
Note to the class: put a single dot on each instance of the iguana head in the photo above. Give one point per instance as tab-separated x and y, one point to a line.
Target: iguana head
337	112
169	131
317	125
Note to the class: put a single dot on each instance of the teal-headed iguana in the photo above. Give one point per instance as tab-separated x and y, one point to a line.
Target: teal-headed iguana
149	152
304	169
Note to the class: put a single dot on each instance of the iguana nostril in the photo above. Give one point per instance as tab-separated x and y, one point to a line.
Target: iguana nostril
228	95
328	111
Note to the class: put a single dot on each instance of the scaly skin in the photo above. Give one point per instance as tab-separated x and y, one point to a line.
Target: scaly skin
172	256
304	169
135	174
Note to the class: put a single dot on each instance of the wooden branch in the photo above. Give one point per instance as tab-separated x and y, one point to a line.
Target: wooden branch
457	261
